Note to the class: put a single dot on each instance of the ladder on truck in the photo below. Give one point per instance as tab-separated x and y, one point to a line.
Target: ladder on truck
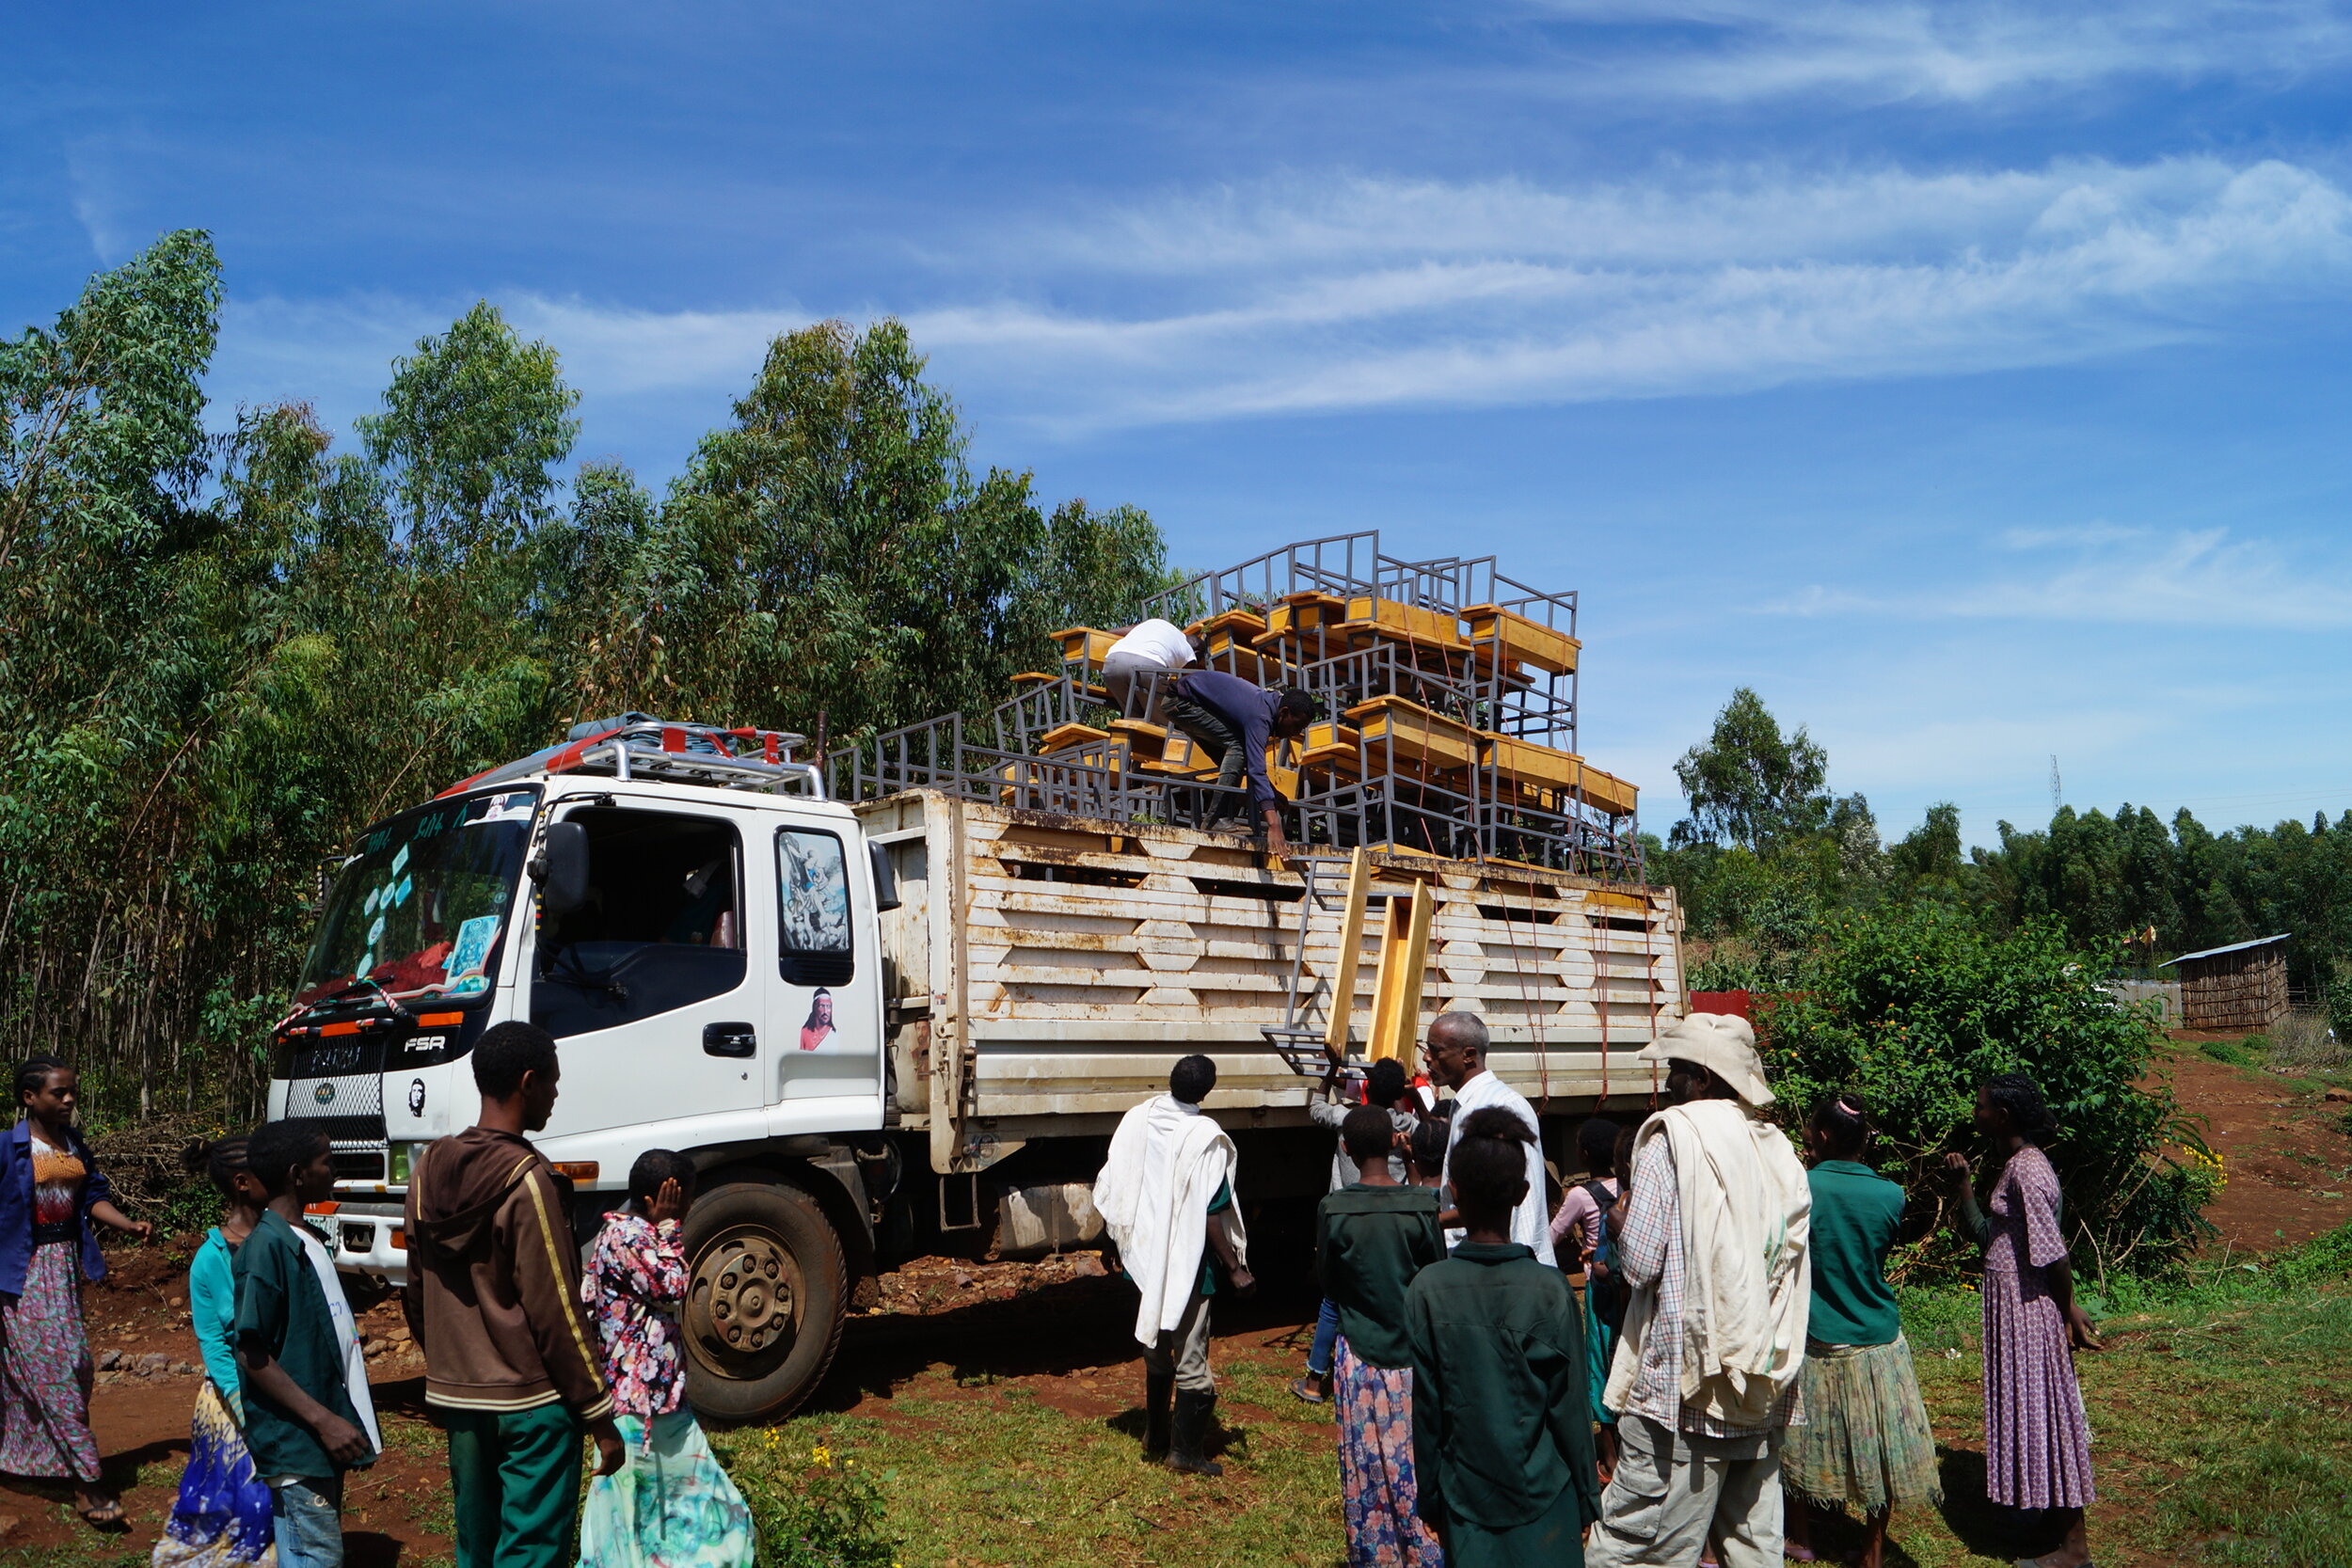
1338	888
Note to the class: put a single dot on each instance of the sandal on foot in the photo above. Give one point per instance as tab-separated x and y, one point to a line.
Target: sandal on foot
1304	1388
105	1513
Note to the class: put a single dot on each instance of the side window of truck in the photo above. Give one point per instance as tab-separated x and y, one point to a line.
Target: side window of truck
813	944
662	928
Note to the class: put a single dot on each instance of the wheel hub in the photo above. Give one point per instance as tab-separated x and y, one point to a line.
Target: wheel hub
742	1296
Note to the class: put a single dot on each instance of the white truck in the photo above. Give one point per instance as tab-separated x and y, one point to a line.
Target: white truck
900	1027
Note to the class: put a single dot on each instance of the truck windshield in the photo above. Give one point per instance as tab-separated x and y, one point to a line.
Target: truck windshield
421	910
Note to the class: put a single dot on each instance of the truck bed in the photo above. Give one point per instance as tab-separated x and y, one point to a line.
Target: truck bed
1054	967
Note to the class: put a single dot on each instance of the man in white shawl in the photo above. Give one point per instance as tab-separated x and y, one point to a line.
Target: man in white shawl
1457	1051
1705	1381
1167	1197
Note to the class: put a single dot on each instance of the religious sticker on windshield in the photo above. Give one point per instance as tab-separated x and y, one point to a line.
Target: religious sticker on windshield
471	950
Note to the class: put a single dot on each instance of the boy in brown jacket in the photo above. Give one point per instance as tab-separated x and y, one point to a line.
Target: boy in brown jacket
494	1283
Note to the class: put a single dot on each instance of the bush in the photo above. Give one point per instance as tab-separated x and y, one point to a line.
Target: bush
2339	1006
1914	1007
822	1513
2302	1043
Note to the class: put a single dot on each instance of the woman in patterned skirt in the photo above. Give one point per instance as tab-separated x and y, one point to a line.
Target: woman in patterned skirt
50	1192
2036	1438
1373	1236
670	1505
1865	1444
221	1518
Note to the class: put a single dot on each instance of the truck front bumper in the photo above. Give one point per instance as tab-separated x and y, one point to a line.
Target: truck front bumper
369	1240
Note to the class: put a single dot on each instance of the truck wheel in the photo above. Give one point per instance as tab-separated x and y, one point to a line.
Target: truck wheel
768	1291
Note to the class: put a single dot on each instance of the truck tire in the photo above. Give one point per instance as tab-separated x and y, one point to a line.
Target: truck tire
766	1294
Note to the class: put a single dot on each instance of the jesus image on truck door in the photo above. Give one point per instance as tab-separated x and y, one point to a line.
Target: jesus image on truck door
820	1022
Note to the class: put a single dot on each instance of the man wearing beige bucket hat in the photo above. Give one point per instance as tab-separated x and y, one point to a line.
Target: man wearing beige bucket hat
1704	1380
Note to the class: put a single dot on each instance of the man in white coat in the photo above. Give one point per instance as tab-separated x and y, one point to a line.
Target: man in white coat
1717	1235
1456	1053
1167	1197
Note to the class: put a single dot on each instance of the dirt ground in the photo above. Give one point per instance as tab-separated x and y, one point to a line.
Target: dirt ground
2287	1152
1057	1329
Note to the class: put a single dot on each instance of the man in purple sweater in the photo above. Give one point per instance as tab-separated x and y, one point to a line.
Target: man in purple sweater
1231	720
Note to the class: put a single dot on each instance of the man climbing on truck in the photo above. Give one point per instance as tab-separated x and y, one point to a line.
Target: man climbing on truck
1231	720
1167	1196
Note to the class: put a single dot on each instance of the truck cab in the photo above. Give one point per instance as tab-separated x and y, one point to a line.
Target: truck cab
695	925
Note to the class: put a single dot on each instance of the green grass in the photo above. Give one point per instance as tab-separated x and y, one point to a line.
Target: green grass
2222	1437
994	1476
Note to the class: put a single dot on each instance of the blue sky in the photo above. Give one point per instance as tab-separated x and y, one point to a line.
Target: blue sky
1972	380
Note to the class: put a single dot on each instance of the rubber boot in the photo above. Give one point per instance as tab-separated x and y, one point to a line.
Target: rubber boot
1158	1390
1190	1453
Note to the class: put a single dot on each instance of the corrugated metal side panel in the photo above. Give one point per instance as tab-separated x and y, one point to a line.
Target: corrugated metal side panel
1083	992
1093	955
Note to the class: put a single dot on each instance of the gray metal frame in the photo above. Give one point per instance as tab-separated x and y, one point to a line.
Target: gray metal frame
1473	813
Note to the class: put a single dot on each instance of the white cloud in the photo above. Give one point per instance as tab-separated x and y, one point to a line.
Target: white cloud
1358	292
1301	296
2082	536
1969	51
2196	580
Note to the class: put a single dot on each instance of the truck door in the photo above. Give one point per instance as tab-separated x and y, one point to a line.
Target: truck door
649	985
825	1023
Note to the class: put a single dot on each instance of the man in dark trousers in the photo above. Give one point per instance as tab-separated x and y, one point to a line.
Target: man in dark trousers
1231	720
494	1278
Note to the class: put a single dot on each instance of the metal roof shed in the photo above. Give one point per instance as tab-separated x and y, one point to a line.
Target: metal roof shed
2243	986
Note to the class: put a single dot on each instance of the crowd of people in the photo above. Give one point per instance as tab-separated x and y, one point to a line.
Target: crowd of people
529	1357
1693	1356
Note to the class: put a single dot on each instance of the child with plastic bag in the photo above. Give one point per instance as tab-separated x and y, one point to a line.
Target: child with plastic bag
670	1505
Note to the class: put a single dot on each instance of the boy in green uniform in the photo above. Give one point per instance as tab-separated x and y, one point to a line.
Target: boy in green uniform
1374	1236
1503	1439
308	1416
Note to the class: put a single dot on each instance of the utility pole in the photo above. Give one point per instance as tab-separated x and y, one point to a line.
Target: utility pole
2058	794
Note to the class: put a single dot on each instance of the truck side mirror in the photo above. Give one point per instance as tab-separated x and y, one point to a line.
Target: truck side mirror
885	879
561	868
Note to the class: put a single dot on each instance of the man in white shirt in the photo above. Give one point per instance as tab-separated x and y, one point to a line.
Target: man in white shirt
1149	648
1457	1052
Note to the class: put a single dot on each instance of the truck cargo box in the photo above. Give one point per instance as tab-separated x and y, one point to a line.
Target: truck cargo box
1045	971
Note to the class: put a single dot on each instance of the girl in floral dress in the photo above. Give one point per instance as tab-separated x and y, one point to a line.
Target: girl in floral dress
671	1505
222	1516
50	1192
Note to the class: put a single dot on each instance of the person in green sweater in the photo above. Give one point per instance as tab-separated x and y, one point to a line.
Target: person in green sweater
1865	1443
1502	1434
308	1416
1374	1236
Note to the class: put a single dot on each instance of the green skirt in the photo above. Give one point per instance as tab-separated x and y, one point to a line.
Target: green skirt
1555	1538
1866	1440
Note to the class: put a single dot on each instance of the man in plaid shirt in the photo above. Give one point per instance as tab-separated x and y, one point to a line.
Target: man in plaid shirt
1706	1376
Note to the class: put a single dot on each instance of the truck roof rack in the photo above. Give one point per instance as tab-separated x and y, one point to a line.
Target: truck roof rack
642	748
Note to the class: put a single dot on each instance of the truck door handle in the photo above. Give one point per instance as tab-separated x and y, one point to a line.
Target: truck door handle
730	1040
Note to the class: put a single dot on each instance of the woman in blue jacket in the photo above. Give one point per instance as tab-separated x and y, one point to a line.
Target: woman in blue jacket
50	1192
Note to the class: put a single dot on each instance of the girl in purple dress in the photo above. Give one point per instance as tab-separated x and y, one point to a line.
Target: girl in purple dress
2037	1439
